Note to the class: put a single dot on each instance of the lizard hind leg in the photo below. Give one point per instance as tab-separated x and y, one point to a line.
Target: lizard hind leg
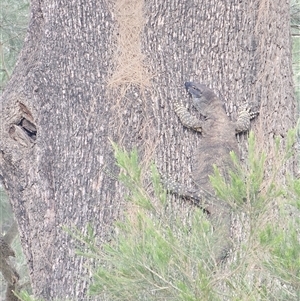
218	211
200	197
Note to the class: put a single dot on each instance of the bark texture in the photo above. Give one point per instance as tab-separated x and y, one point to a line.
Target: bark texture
58	115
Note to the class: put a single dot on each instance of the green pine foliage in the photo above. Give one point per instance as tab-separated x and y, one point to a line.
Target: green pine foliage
24	296
155	254
267	260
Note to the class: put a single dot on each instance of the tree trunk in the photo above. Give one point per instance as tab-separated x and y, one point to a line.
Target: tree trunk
83	77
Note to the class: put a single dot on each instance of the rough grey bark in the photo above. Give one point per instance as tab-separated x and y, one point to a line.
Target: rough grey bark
54	177
57	114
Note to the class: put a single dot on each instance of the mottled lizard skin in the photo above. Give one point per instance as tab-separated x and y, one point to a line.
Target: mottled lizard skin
219	138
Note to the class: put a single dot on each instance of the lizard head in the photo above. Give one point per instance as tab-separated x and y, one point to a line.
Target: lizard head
202	96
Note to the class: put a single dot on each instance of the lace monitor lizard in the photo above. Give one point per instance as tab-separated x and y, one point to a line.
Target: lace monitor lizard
219	138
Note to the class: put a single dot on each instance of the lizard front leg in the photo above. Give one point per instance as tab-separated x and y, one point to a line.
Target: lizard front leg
187	119
245	115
